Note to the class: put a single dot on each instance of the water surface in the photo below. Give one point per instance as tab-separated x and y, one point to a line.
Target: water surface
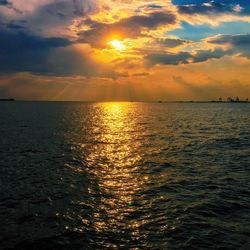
124	175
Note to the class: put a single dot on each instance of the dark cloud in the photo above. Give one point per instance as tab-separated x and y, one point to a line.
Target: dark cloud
131	27
239	43
236	40
83	7
9	4
14	26
50	18
204	55
4	2
172	43
184	57
67	9
168	58
23	52
243	3
209	8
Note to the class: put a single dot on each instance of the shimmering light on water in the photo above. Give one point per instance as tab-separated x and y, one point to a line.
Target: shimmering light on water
114	163
124	175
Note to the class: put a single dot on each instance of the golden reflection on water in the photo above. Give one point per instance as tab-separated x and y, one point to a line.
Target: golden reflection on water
114	162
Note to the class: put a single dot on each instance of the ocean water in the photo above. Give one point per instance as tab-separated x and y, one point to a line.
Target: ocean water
124	176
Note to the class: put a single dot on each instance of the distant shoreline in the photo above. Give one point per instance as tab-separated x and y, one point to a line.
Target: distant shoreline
7	100
192	102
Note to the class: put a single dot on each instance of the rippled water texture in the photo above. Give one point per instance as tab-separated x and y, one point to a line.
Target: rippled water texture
124	176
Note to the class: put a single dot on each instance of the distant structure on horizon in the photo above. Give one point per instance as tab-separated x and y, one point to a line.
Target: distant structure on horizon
237	99
220	100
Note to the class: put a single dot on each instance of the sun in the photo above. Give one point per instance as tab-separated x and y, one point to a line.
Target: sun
118	45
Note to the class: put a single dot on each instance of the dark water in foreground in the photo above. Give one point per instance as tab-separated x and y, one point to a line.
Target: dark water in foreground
124	175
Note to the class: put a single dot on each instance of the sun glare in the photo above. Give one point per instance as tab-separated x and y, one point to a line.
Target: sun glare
117	44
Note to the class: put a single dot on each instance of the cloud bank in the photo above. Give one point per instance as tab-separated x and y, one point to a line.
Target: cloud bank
71	39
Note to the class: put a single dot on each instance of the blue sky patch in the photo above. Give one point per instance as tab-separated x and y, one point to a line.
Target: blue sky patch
197	32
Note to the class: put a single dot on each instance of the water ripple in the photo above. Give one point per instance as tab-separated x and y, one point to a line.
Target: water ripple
124	176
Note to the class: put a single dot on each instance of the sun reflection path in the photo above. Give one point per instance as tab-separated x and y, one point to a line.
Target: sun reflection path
115	164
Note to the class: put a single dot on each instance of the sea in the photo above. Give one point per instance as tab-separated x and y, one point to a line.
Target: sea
124	175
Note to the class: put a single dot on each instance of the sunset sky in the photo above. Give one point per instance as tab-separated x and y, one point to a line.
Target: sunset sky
106	50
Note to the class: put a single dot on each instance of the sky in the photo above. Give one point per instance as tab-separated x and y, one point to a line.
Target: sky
122	50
